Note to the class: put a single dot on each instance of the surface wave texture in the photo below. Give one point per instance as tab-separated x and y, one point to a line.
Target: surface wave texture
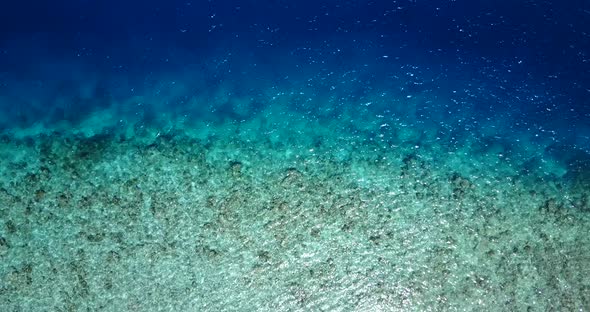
321	158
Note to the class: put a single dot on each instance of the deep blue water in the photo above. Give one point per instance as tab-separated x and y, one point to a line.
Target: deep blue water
523	65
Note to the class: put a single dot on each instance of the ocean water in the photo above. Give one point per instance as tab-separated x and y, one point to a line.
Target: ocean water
295	155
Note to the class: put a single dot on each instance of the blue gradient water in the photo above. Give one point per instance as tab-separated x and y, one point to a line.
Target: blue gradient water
294	155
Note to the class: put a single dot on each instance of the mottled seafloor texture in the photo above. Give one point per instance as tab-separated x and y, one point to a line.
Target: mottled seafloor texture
283	212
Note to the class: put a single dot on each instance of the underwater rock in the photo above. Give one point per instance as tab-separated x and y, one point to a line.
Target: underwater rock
292	177
235	168
551	206
10	227
40	194
19	278
32	178
411	165
3	246
410	161
207	252
582	202
92	148
460	186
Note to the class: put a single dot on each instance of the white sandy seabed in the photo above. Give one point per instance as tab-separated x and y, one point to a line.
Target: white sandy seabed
281	213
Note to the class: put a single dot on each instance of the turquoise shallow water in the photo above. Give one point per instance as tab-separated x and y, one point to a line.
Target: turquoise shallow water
269	202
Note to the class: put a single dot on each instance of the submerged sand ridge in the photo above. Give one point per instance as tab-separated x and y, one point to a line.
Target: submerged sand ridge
235	221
